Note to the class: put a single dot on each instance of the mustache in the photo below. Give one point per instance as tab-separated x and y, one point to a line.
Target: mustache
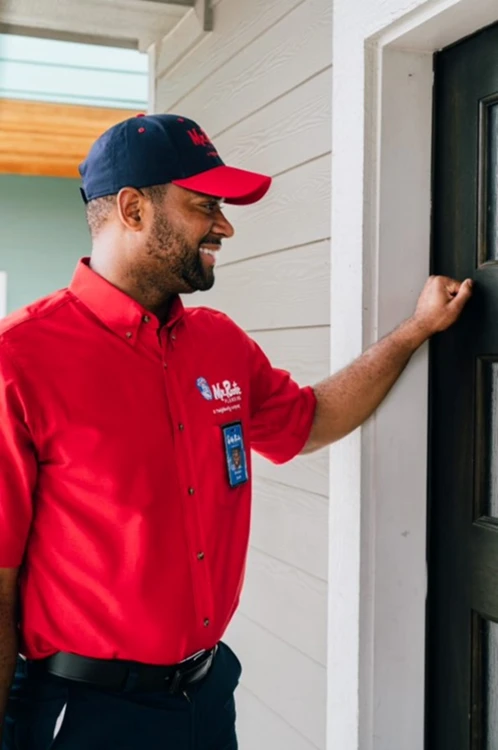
209	240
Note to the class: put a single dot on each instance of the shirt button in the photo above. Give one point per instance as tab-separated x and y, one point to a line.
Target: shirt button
165	365
146	319
181	427
206	622
191	490
200	555
173	336
129	334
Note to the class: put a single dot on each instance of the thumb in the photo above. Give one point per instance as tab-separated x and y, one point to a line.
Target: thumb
463	296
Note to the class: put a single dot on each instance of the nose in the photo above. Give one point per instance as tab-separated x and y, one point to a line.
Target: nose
222	225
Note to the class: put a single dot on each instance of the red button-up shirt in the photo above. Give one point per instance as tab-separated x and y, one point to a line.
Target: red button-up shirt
114	491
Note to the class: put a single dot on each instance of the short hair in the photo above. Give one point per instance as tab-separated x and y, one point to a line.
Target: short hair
99	210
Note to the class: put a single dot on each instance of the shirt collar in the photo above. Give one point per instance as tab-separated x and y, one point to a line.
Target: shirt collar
117	310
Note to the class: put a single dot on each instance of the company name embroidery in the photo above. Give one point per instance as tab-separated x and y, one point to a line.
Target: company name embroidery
227	391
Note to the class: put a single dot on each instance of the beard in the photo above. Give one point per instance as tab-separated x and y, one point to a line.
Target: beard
172	265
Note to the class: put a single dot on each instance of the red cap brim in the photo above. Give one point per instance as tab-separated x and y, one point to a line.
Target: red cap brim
234	185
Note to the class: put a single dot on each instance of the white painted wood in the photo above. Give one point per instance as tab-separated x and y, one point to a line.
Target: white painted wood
289	603
260	727
179	42
291	130
135	21
288	524
304	352
280	59
290	683
400	546
296	211
3	294
274	291
309	473
362	180
236	26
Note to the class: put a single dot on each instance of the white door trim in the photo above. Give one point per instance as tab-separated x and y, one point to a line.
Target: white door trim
381	205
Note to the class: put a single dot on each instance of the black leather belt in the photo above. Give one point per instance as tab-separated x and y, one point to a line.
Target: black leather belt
116	675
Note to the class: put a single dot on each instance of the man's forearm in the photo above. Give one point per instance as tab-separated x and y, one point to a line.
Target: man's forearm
8	655
347	399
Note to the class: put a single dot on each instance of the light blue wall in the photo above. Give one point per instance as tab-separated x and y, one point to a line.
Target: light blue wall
43	232
53	71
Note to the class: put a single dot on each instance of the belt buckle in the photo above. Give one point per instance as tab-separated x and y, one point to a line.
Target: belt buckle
175	682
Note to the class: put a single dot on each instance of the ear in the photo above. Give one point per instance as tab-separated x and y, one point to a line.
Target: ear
131	208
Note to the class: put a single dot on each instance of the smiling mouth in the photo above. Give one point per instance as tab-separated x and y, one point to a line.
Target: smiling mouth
209	255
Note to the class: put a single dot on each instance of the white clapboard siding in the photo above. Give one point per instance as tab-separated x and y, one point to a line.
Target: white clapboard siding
287	680
291	130
280	59
309	473
290	524
304	352
289	603
289	288
236	25
259	727
296	211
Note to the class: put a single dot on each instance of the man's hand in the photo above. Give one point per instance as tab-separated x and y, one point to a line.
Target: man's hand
441	303
347	399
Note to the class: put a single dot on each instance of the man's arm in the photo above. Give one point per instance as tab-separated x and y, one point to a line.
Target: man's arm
347	399
8	635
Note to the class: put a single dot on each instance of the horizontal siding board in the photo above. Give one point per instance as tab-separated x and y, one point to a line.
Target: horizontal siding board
288	602
280	59
236	25
290	683
309	473
186	35
296	211
260	727
291	525
275	291
291	130
304	352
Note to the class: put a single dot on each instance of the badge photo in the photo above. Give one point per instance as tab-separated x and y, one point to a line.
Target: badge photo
235	454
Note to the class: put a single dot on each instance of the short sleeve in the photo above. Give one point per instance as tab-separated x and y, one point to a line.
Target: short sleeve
18	468
282	412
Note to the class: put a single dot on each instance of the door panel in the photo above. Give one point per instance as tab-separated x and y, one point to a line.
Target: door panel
462	685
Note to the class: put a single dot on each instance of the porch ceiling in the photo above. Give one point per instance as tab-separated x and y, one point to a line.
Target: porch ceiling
123	23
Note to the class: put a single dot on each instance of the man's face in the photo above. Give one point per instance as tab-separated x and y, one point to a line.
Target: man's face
236	458
182	241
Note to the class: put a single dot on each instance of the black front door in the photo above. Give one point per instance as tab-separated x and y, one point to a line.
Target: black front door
462	675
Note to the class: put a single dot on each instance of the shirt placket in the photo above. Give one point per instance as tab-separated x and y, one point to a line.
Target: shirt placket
192	498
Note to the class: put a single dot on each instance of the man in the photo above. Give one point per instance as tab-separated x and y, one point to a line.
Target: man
124	514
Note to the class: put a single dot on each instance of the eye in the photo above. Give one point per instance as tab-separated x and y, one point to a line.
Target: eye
211	206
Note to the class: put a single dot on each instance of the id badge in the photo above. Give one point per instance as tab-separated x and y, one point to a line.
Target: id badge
235	454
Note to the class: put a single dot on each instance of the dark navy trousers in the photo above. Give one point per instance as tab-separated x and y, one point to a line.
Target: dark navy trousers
47	713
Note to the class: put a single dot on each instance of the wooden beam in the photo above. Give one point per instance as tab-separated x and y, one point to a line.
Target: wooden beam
50	140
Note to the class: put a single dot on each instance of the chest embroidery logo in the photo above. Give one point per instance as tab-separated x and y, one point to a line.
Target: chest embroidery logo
204	388
228	392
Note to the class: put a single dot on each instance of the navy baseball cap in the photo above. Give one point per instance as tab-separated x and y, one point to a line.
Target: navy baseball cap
157	149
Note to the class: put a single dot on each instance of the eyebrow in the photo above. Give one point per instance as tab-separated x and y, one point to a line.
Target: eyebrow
203	197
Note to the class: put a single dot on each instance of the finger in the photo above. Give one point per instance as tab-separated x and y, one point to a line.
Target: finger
463	296
452	286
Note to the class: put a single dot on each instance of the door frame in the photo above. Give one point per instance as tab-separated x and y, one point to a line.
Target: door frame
381	226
